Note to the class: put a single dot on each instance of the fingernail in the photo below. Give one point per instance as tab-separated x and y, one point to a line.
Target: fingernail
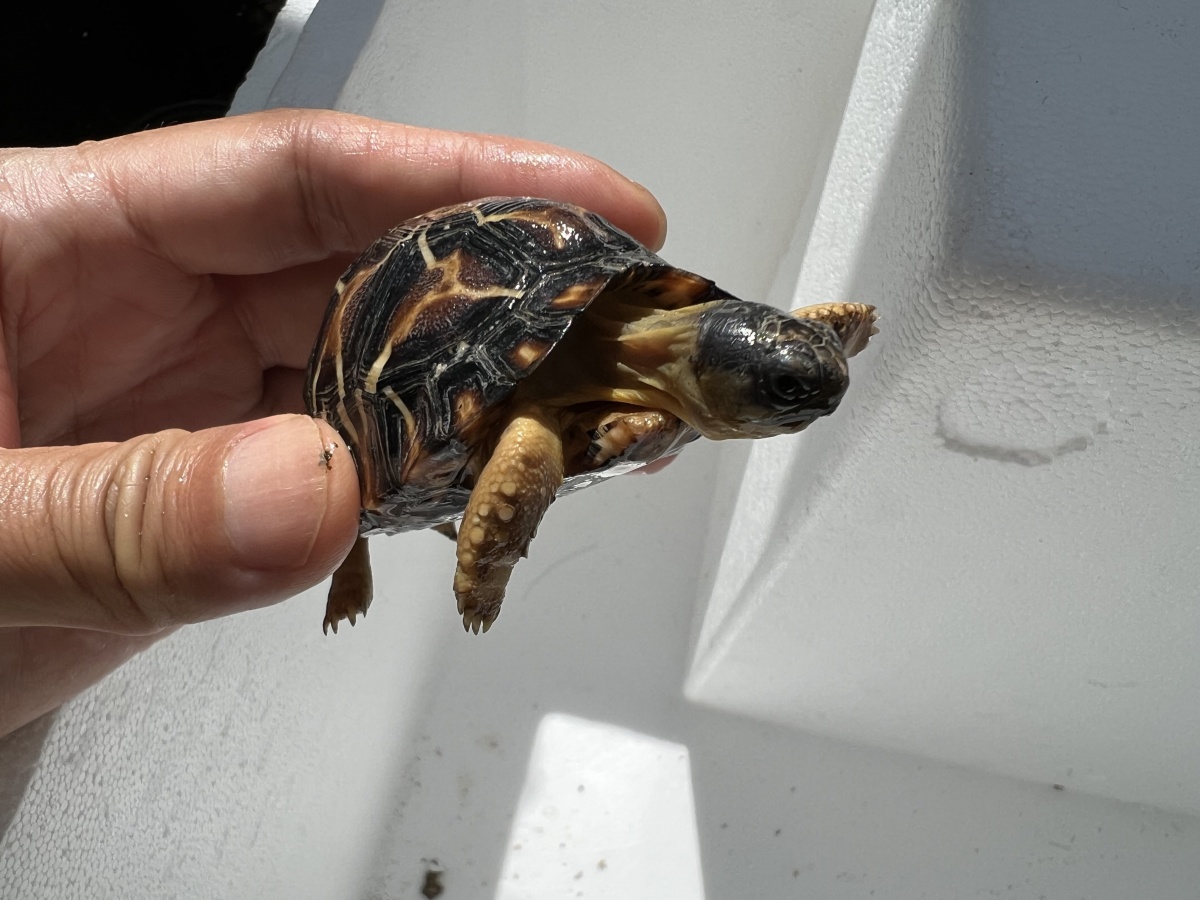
661	238
275	492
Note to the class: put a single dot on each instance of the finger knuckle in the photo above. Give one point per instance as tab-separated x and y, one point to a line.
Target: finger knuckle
131	548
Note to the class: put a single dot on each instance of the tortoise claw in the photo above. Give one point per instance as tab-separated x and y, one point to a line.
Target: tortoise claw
476	622
332	622
351	589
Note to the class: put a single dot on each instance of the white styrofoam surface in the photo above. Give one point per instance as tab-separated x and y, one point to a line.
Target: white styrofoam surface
272	60
603	809
992	559
254	758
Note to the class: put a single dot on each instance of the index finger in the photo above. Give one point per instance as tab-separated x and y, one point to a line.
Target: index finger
260	192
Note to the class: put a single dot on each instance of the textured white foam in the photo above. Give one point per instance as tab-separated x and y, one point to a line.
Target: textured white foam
991	559
1030	415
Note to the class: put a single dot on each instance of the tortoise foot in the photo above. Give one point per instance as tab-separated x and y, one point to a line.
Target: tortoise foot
351	590
854	322
479	604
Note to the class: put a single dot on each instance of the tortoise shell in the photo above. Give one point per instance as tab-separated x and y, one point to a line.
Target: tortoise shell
432	329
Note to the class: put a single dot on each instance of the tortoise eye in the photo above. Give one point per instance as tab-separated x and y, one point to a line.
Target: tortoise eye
785	388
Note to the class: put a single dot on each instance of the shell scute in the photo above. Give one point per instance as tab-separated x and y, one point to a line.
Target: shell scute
431	330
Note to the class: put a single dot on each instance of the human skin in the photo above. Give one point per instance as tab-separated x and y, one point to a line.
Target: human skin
159	296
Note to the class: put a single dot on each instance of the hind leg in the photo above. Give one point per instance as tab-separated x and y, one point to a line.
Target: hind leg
642	436
512	493
351	589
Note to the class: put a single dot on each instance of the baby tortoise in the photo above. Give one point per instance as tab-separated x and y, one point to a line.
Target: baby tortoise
484	358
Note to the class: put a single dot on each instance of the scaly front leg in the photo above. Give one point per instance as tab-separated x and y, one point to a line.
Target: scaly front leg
512	494
854	322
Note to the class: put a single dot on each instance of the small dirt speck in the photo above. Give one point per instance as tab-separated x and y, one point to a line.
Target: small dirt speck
432	885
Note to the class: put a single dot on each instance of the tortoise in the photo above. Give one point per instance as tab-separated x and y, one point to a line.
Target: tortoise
482	359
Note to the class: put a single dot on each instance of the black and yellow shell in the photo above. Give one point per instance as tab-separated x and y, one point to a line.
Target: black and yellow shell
431	330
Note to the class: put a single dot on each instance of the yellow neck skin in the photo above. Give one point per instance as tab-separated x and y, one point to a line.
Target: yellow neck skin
624	352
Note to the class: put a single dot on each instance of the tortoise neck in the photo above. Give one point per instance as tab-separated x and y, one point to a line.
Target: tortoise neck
624	352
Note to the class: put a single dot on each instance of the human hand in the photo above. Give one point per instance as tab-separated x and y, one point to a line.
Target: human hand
159	296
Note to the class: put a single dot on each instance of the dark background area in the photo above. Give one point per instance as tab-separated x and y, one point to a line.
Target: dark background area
74	71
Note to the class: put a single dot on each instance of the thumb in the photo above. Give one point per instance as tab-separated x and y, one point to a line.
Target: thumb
172	527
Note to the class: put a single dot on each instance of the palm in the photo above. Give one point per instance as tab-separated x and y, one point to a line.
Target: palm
149	347
178	279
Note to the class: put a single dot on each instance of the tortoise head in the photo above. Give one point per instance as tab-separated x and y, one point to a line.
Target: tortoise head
762	372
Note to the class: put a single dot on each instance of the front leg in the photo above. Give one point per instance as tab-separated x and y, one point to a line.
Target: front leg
513	492
854	322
